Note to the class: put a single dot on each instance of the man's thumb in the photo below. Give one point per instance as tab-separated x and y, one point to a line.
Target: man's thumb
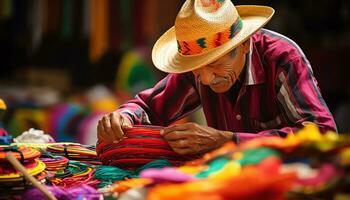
126	123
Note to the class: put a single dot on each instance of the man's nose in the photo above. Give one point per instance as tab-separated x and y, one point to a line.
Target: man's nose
205	76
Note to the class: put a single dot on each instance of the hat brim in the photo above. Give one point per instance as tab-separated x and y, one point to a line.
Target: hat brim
165	54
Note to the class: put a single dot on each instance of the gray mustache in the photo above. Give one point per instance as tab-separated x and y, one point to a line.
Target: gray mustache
217	80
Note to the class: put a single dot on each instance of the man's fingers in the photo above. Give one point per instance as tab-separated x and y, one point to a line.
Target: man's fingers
126	122
116	125
101	133
176	127
183	151
179	144
178	131
106	122
175	135
109	128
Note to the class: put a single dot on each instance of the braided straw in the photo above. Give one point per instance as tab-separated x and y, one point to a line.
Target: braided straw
204	31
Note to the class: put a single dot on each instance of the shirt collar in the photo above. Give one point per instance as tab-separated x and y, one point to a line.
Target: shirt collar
255	73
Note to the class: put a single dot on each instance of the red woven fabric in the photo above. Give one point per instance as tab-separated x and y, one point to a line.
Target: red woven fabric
141	145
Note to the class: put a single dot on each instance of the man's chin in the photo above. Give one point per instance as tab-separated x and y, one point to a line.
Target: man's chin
219	89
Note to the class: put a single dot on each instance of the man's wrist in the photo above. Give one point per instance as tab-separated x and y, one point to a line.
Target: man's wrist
229	136
235	138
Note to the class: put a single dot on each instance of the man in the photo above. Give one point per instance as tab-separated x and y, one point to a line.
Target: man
251	82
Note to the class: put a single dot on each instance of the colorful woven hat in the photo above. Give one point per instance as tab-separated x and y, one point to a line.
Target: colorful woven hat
204	31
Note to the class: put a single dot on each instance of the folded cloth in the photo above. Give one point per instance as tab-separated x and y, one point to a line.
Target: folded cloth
141	145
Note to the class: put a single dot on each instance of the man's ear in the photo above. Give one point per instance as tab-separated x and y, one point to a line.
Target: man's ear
246	46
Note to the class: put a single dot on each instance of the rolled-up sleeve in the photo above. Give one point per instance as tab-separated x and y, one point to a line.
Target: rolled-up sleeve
170	99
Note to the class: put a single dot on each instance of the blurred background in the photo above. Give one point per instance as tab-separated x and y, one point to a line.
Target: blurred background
66	63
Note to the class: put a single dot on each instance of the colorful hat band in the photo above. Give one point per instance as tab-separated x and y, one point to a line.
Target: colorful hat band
204	44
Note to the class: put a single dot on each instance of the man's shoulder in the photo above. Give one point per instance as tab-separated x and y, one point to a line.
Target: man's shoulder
273	45
268	38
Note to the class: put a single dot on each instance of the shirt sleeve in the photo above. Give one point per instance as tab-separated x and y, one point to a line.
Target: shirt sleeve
170	99
299	100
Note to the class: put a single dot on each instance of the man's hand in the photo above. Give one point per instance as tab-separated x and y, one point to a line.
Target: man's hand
110	127
191	138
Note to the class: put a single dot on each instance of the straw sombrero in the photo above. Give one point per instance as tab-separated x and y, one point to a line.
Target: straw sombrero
204	31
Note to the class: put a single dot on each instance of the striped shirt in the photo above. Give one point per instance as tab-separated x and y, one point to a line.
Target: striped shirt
276	95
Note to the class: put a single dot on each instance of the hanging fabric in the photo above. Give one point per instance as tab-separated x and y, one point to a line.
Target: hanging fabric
35	20
67	18
99	28
5	9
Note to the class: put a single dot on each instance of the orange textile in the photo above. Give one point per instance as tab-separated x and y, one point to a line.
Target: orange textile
99	28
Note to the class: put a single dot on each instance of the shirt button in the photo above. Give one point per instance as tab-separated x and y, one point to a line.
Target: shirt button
238	117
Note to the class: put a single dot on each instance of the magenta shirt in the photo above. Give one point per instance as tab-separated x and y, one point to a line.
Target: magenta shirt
277	95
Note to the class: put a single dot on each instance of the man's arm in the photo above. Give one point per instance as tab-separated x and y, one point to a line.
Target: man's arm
299	100
170	99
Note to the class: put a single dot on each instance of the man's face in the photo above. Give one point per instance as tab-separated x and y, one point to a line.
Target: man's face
222	74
